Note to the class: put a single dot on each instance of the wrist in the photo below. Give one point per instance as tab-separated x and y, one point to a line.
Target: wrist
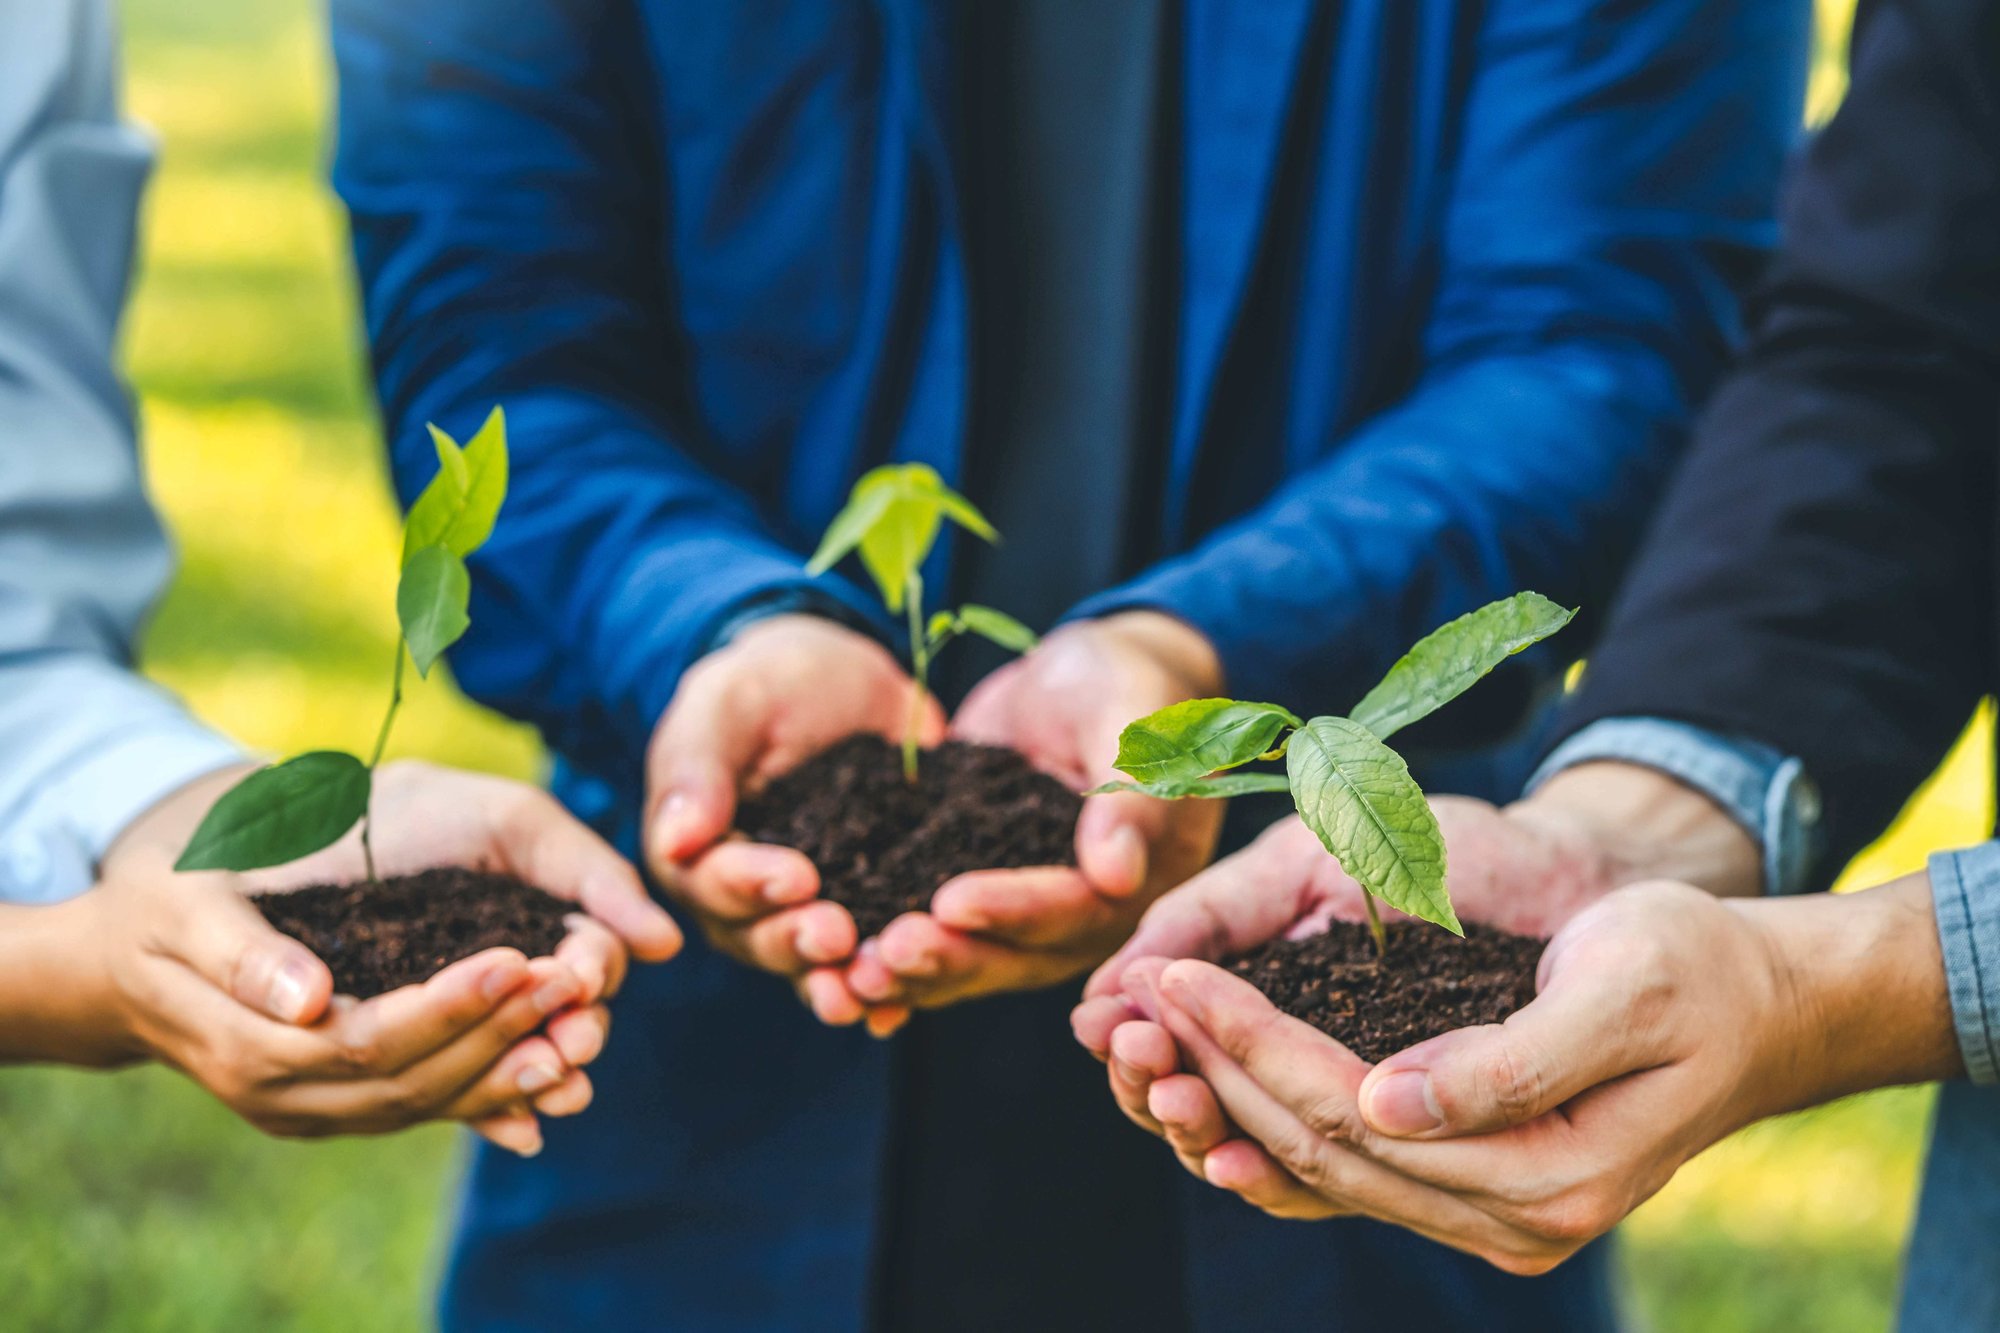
1178	646
58	999
1647	826
1862	996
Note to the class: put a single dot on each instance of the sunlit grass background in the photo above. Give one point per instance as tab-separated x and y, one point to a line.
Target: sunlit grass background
133	1202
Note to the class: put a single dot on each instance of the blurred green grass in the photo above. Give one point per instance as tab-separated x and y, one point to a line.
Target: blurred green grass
134	1202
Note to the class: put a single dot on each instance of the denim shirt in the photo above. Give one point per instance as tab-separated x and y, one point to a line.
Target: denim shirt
87	744
1952	1277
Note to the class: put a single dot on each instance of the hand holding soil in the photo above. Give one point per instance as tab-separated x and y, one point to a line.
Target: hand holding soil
494	1039
783	691
1061	707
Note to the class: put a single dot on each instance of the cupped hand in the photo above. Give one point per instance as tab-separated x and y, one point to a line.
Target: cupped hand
203	983
1063	706
1520	869
782	691
1665	1020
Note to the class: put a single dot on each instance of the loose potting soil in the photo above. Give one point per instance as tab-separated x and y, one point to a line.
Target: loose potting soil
1429	983
883	847
376	937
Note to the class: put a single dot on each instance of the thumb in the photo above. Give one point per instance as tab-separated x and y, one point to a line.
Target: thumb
1478	1080
1114	840
220	935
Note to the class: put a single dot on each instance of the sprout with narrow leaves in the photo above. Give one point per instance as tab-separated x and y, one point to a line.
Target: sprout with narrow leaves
1350	788
892	518
291	810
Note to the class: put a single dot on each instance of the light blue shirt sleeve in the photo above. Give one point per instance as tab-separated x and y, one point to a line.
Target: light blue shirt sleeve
1771	796
85	744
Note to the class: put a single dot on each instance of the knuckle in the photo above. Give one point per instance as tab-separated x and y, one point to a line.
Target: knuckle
1332	1116
1570	1220
1514	1080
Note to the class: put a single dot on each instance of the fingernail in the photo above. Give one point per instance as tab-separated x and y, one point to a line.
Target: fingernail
291	990
1403	1104
553	995
669	822
1128	852
784	891
536	1078
1130	1073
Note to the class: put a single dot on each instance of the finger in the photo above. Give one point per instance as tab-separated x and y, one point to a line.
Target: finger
1573	1037
1189	1114
704	747
550	848
226	940
1242	1167
1299	1067
820	934
1030	909
572	1096
829	999
595	955
1140	1054
887	1020
1113	837
528	1070
1093	1022
940	967
392	1032
870	979
518	1132
580	1034
1234	906
741	881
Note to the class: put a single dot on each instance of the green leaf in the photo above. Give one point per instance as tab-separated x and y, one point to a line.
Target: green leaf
1193	739
1357	794
1450	660
279	814
997	627
863	510
893	516
456	510
452	467
1219	786
431	604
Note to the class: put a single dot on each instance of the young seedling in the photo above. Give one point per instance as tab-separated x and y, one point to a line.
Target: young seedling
893	516
1349	787
291	810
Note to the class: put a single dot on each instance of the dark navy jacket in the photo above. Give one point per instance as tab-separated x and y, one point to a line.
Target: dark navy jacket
1450	278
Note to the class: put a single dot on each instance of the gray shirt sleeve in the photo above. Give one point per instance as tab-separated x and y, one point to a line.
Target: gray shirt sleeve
85	744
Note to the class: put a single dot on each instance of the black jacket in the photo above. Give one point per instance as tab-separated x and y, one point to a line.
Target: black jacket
1822	575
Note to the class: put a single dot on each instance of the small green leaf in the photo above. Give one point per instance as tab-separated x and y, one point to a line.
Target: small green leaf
1193	739
997	627
452	469
431	604
1450	660
863	510
943	626
279	814
893	516
456	511
1219	786
1357	794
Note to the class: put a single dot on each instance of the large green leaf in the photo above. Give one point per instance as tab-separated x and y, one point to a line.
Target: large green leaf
460	506
893	516
1190	740
1216	786
1357	794
1450	660
279	814
431	604
996	627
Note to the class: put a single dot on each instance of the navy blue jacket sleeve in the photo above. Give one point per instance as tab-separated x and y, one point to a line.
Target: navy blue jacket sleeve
506	223
1821	578
1616	185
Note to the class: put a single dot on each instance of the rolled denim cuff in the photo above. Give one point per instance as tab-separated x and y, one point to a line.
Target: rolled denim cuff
1965	892
1766	792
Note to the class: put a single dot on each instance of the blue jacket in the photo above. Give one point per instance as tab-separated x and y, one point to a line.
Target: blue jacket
1452	276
